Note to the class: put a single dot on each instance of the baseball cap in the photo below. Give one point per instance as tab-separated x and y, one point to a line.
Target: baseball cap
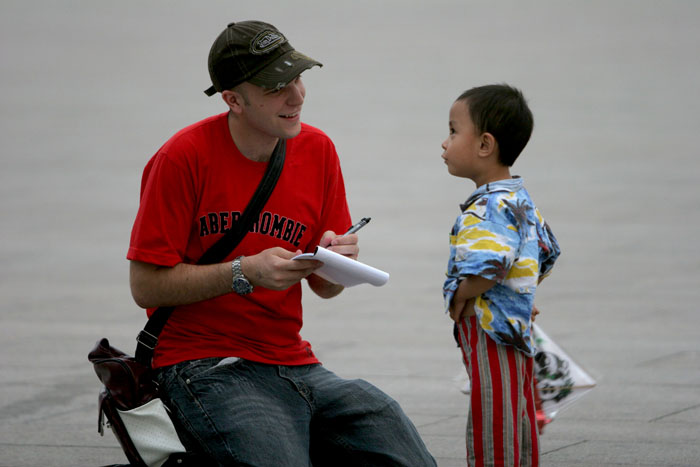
256	52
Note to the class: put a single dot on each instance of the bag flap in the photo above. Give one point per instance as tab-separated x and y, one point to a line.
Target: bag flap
130	384
102	350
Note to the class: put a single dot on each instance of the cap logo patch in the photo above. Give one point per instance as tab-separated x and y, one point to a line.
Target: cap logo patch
266	41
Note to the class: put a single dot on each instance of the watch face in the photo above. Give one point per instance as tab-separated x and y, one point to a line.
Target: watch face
241	286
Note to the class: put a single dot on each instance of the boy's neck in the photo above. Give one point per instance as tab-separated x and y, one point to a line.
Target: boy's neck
500	172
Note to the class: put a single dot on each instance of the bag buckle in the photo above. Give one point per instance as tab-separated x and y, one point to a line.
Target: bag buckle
147	339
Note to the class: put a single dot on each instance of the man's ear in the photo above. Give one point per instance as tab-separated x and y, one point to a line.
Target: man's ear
488	145
234	100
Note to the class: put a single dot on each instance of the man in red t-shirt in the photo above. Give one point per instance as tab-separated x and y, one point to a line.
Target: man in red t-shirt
242	384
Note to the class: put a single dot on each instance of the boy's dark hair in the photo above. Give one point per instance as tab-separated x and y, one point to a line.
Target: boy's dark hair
501	110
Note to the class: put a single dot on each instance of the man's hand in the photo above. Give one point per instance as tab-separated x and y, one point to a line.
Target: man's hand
343	245
535	312
274	268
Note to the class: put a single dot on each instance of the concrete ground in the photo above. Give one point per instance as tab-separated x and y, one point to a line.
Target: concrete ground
89	90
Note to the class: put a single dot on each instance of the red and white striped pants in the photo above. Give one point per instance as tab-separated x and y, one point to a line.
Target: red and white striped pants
501	425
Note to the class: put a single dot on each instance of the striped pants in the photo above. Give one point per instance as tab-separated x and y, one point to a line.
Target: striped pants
501	425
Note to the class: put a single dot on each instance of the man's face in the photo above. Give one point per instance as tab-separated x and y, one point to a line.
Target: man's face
274	113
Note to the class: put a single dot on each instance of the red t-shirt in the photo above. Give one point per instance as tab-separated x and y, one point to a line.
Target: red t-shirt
192	190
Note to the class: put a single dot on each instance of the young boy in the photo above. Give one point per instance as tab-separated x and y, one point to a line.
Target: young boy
500	249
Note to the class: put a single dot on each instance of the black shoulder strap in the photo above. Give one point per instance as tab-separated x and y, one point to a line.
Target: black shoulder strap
148	337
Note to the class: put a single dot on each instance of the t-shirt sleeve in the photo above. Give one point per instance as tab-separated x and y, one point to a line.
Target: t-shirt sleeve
162	226
335	215
487	249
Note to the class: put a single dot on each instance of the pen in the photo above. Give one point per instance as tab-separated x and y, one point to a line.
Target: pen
363	222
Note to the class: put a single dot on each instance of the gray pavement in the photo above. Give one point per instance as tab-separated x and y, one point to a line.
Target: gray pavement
89	90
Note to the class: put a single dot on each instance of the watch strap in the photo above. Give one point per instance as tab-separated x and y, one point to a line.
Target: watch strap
238	276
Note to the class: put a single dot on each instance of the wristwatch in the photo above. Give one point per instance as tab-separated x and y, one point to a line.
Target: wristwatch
240	284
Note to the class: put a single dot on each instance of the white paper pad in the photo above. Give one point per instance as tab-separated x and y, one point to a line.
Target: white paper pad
342	270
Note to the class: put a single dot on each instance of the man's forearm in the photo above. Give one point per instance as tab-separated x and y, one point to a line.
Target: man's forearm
153	286
322	287
274	269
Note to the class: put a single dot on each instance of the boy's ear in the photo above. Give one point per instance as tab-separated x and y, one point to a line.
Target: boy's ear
488	145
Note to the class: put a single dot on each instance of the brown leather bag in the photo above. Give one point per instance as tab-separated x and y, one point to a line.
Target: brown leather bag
127	384
130	383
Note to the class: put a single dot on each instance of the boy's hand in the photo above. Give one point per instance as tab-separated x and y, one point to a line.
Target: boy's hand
461	310
535	312
470	287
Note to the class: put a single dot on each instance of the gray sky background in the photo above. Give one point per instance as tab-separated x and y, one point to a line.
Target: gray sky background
89	91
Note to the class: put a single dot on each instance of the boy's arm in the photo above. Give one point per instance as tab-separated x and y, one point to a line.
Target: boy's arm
469	287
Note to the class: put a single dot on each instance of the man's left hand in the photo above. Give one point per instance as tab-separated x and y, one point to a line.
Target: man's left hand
345	245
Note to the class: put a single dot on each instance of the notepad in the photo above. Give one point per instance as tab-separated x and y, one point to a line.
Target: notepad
342	270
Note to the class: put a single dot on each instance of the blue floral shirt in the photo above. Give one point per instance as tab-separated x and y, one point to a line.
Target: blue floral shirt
501	236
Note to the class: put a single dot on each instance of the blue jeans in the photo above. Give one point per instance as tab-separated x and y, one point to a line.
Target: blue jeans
247	413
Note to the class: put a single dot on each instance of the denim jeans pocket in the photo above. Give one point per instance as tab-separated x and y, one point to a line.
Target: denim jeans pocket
194	370
186	370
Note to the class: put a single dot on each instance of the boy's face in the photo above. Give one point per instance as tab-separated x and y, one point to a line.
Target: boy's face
461	148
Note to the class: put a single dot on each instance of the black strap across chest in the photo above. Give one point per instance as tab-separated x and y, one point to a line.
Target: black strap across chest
148	337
